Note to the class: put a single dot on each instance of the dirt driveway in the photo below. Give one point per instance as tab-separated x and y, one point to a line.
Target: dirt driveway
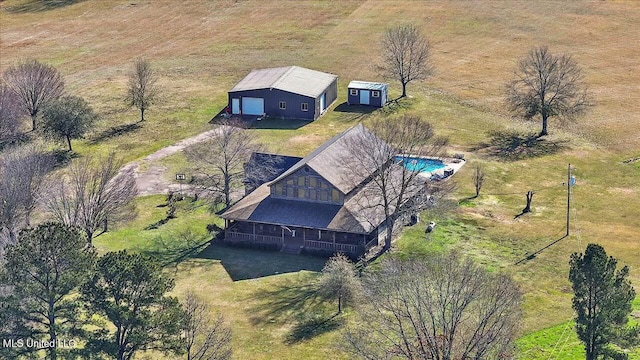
151	179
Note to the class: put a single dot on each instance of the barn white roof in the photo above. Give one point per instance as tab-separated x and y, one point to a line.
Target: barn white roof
294	79
356	84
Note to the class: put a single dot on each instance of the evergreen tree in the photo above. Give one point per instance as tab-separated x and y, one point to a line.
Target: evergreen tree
602	298
40	274
129	290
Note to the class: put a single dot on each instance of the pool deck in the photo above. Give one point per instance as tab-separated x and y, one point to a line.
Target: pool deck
451	163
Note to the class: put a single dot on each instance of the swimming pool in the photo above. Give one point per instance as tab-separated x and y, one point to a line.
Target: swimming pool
420	164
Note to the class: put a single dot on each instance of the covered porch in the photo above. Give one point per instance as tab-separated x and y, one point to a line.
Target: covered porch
310	240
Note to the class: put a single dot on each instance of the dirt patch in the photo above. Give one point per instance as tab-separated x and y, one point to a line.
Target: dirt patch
305	139
623	191
149	173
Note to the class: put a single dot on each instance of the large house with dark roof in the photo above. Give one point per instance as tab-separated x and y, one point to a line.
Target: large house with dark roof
286	92
314	206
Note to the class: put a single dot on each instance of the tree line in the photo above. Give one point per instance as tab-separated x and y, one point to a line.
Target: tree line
93	193
544	84
56	289
37	90
447	307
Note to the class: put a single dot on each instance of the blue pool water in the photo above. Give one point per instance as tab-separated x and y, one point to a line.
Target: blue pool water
420	164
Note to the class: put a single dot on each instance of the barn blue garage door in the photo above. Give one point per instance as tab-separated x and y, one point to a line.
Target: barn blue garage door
252	106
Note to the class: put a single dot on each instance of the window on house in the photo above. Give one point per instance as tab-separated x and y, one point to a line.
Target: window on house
313	182
312	194
335	196
375	93
289	192
301	193
304	106
301	180
353	92
279	189
283	105
324	196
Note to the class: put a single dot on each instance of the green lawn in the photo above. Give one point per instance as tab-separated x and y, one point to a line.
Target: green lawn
268	298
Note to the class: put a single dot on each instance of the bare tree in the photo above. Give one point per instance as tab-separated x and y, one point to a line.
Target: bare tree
261	168
394	190
94	195
68	118
22	176
10	114
547	85
142	90
478	179
220	160
527	207
441	308
405	55
204	340
340	280
36	84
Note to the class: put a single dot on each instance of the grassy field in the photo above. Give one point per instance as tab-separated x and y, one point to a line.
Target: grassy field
201	48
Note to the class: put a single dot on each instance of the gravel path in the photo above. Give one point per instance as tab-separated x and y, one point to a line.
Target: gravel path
151	180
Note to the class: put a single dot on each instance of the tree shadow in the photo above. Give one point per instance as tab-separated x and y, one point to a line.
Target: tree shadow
310	325
40	5
398	104
281	301
248	263
514	145
114	132
17	140
62	158
289	300
170	252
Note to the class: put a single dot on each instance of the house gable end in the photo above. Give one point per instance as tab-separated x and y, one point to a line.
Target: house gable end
305	184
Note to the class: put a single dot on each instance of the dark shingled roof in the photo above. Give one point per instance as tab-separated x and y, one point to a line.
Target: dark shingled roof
328	160
259	207
361	213
278	163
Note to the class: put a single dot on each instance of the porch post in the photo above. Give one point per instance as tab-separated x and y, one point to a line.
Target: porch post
253	240
281	228
334	241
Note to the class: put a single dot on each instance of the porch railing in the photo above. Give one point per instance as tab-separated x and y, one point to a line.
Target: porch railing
323	245
371	243
259	239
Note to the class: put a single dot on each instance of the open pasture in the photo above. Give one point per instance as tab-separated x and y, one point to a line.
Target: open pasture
201	48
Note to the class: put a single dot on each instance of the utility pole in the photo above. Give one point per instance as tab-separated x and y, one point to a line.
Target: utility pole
570	182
